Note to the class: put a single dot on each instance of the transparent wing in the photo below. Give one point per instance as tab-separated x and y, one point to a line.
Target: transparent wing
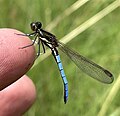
90	68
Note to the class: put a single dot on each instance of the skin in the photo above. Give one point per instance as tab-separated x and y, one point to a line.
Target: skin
17	91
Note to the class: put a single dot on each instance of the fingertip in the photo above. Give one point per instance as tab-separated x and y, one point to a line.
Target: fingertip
21	95
14	62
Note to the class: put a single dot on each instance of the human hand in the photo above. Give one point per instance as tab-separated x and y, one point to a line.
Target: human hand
15	96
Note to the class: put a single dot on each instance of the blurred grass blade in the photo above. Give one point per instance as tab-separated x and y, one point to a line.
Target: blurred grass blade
83	27
110	97
66	13
90	21
116	112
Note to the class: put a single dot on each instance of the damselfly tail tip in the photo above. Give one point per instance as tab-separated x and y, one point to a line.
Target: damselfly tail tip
65	100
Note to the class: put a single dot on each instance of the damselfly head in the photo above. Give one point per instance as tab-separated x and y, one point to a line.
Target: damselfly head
36	25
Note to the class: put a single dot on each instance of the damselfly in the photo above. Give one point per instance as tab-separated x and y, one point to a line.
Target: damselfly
45	38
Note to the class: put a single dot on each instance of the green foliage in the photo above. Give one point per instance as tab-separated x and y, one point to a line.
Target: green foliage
100	43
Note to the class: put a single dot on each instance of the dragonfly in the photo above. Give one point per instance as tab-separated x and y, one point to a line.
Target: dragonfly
45	38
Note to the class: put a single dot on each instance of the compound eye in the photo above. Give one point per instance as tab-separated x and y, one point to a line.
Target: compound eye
33	26
39	25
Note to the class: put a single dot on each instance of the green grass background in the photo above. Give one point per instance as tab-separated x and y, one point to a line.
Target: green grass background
100	43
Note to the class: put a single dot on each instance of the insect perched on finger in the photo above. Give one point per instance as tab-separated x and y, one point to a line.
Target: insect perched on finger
87	66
